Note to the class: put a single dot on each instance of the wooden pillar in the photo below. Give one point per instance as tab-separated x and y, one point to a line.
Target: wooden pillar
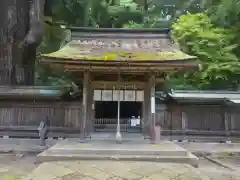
89	121
146	110
152	110
85	104
92	110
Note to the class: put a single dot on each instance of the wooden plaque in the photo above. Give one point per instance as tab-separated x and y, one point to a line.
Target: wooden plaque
129	95
139	96
115	95
97	95
107	95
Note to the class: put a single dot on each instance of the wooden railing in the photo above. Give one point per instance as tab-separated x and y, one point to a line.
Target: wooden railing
110	125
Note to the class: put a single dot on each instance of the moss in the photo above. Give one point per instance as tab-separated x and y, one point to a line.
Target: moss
74	53
9	177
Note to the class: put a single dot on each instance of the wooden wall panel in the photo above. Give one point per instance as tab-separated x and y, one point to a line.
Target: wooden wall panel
60	114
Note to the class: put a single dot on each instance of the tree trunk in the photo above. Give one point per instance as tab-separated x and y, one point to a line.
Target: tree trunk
21	30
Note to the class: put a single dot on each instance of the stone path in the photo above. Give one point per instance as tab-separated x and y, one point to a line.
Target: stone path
13	167
115	170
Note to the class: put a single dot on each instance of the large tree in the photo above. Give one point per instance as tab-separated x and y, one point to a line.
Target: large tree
21	31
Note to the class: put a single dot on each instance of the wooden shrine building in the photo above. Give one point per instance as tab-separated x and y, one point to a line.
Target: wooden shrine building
119	70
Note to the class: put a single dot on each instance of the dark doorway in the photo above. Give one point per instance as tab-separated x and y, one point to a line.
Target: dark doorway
129	109
106	115
106	109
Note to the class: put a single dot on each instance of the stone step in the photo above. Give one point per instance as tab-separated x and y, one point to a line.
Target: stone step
113	152
189	159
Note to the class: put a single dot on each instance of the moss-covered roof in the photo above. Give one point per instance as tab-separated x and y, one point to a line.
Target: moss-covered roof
115	44
75	52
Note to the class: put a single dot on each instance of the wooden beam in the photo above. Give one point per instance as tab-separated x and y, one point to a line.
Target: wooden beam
115	82
157	80
123	66
124	85
122	69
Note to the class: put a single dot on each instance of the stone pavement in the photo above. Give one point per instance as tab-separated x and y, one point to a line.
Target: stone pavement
115	170
23	145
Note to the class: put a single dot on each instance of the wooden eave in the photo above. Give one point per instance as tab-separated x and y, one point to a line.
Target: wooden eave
204	97
133	65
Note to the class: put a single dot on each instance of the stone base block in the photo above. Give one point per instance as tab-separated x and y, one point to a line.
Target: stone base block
164	151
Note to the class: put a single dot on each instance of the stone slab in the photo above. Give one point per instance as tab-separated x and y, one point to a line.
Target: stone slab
71	149
164	148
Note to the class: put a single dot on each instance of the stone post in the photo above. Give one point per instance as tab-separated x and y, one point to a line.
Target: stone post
184	124
161	110
226	125
118	130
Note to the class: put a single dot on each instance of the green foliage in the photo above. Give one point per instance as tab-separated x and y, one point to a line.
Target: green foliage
225	13
54	37
197	35
56	77
161	14
95	13
132	24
